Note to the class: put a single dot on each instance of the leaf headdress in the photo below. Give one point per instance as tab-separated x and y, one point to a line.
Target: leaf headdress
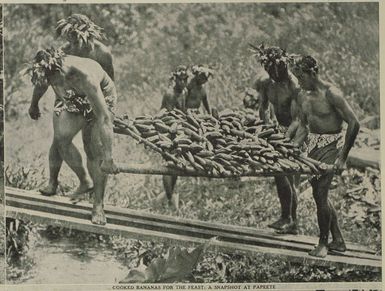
84	30
44	63
202	69
271	55
179	72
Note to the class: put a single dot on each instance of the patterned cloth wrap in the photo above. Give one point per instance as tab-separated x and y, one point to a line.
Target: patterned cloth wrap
324	148
315	140
75	103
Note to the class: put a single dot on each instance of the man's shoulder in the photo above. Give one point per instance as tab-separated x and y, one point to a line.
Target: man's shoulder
168	92
196	89
82	67
262	82
332	90
102	48
294	82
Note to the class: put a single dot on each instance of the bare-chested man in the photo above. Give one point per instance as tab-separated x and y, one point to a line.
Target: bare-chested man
175	97
82	83
82	40
277	89
321	110
195	95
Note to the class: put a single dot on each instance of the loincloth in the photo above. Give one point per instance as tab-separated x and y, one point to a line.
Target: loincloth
74	103
324	148
319	142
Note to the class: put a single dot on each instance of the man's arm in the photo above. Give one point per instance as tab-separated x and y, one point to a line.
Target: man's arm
206	102
108	65
298	129
263	101
106	59
334	96
292	129
38	92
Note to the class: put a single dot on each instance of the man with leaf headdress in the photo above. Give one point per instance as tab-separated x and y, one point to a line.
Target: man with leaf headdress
85	88
174	97
277	89
197	94
189	98
84	40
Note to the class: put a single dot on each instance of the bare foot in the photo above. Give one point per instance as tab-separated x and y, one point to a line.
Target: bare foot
280	223
98	216
50	190
83	188
320	251
289	228
337	245
79	193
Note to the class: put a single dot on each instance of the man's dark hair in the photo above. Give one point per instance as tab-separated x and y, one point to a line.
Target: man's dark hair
308	64
44	63
81	27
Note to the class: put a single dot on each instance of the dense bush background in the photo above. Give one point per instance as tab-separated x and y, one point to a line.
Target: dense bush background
149	40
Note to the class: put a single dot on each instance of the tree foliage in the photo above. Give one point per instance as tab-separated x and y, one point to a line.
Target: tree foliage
149	40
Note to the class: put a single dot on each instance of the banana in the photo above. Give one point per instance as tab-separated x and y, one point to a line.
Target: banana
192	121
149	133
193	135
161	127
205	154
180	141
266	133
143	121
143	128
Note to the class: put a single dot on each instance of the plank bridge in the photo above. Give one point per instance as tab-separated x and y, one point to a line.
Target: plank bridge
59	211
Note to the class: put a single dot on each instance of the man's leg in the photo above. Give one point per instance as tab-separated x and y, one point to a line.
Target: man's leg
324	212
338	243
55	162
295	181
94	151
292	227
169	186
284	191
66	126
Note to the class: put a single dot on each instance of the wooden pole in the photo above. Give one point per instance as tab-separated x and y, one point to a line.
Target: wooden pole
164	170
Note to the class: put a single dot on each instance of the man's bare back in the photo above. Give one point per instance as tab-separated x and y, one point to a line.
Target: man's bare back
75	70
99	53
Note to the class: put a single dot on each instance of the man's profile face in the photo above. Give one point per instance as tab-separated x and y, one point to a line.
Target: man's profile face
305	79
181	82
202	78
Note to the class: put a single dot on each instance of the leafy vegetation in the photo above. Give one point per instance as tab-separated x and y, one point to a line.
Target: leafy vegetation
150	40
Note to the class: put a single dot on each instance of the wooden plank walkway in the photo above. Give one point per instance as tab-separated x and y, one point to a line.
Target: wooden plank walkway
59	211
